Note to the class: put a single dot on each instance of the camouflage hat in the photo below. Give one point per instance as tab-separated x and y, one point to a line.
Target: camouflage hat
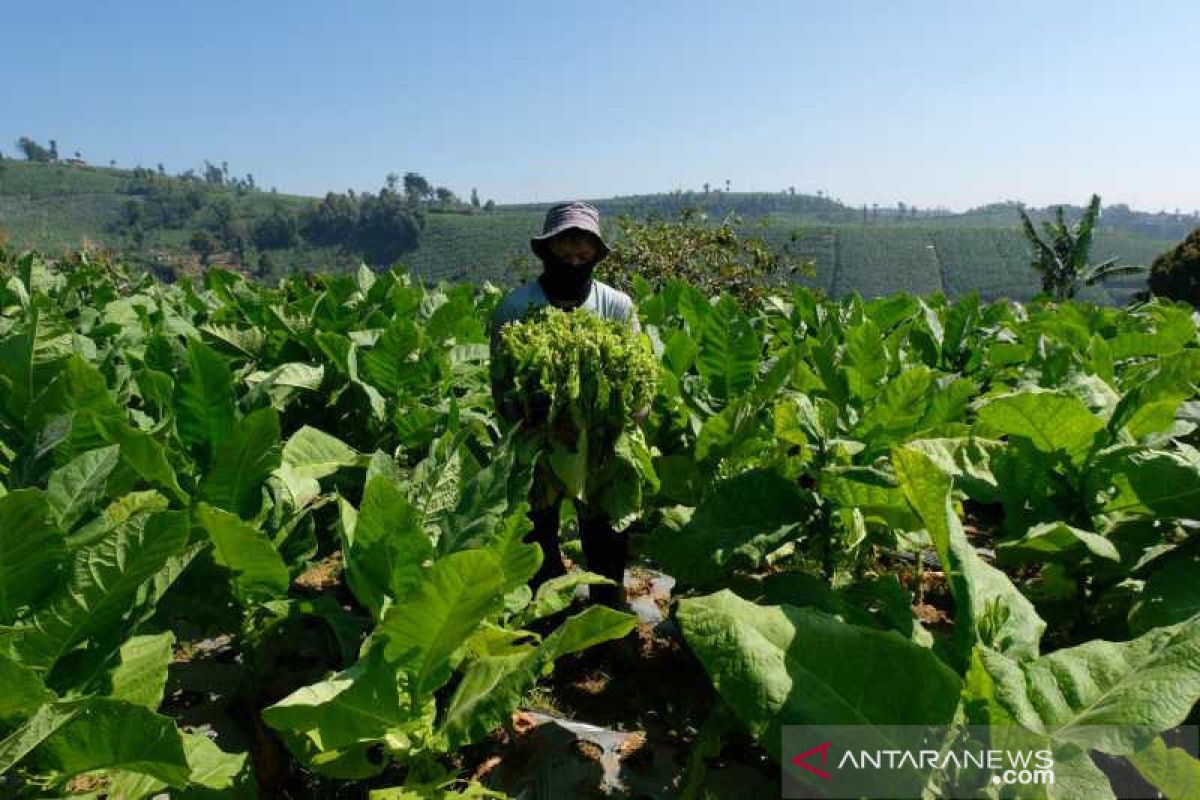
567	216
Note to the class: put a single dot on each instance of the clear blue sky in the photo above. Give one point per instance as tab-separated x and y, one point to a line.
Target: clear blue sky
933	103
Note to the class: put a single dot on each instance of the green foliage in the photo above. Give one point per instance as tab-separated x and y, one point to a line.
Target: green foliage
714	259
1176	274
781	665
1062	258
314	477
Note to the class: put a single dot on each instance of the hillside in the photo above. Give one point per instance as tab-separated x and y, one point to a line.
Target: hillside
878	251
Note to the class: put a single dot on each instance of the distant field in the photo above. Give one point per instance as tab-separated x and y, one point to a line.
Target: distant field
59	207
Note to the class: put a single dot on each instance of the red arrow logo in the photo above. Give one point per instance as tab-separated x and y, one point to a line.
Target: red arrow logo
823	749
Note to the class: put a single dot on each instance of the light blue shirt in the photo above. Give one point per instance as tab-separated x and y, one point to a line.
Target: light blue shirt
603	300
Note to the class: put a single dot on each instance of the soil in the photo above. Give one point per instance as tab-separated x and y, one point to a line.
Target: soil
620	719
321	575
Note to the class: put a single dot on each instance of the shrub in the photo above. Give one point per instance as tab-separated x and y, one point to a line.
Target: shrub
1176	273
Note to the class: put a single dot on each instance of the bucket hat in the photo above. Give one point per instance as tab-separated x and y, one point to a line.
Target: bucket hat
565	216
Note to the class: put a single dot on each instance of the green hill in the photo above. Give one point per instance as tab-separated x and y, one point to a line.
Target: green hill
61	206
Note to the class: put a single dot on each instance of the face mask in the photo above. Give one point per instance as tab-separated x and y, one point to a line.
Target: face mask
564	284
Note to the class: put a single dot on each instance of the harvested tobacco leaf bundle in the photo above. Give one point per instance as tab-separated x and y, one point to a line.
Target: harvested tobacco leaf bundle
572	370
578	381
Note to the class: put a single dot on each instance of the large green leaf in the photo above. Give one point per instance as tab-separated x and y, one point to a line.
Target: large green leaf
1172	592
118	512
968	460
423	632
1075	774
141	453
780	665
735	427
96	420
357	705
730	349
988	607
1109	696
283	382
49	718
873	492
75	487
21	691
204	406
1052	422
866	359
391	366
258	570
31	551
209	768
1057	541
310	454
1150	405
101	590
1170	335
518	560
557	594
141	674
1171	770
114	734
243	461
899	408
485	501
386	549
737	525
1152	482
493	686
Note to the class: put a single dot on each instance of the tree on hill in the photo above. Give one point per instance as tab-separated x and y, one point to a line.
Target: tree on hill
474	197
445	196
34	151
278	229
387	228
416	188
1176	273
1062	257
213	174
332	221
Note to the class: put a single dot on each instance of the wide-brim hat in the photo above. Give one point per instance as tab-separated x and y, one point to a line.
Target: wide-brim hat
569	216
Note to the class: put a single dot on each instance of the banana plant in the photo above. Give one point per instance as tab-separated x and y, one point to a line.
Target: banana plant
1062	257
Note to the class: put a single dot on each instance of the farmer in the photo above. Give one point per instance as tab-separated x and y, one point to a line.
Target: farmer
570	247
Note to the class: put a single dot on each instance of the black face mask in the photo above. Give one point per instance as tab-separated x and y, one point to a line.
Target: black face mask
564	284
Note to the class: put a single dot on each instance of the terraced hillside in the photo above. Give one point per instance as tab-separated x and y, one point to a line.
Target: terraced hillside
60	207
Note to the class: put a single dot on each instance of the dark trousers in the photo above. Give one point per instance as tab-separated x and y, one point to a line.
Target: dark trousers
605	549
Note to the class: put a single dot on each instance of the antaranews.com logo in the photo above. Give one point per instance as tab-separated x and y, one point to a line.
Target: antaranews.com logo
962	762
